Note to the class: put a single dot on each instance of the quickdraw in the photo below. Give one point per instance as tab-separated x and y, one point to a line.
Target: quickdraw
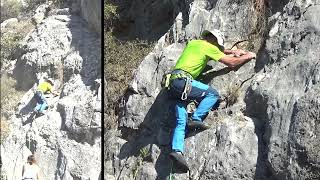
186	90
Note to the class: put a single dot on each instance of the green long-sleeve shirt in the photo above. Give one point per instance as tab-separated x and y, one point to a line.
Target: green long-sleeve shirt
196	55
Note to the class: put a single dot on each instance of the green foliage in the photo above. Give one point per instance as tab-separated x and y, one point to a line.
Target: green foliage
144	152
232	94
137	167
9	96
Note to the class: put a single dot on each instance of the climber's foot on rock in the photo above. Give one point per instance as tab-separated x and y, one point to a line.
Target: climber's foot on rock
194	125
179	162
40	113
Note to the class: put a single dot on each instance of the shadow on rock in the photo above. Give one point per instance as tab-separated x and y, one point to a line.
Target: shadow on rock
30	119
28	107
256	108
87	43
153	138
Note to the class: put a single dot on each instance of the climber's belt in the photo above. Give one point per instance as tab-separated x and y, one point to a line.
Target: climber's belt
176	74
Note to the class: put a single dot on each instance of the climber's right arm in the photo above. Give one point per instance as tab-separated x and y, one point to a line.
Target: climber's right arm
232	61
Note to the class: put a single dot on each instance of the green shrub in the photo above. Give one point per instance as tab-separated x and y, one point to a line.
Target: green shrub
232	95
9	96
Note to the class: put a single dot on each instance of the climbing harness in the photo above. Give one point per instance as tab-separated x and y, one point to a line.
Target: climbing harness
175	74
165	81
184	75
187	89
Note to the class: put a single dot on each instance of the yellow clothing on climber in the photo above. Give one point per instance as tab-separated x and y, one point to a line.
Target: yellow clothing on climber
45	87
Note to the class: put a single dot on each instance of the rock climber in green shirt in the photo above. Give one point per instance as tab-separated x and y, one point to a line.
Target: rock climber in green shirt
43	88
183	87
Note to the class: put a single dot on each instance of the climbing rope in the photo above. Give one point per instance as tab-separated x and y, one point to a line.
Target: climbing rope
238	42
171	167
29	139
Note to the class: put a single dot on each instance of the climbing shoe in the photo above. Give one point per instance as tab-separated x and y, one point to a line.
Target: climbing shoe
41	113
193	125
179	162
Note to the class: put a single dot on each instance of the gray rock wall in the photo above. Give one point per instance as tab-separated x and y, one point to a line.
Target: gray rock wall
66	140
269	133
91	12
291	73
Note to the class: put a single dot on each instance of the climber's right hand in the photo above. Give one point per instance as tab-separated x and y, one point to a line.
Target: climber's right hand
252	55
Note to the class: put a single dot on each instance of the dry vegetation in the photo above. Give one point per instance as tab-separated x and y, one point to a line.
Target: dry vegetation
4	125
9	96
121	58
232	94
13	34
10	39
9	100
260	23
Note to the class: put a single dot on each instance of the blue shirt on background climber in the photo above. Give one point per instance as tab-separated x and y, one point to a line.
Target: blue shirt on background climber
184	88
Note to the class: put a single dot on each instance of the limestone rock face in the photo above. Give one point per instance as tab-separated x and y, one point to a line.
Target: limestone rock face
291	76
8	22
41	12
60	47
66	140
269	132
91	12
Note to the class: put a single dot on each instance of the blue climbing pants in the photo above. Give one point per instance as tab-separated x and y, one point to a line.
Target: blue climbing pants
41	102
202	93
